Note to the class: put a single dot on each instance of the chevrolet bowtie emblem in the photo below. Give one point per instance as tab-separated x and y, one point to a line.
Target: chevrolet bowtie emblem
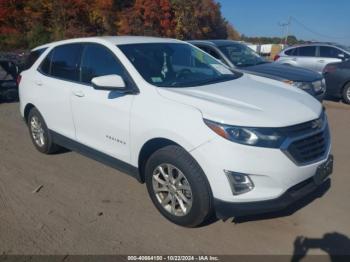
317	124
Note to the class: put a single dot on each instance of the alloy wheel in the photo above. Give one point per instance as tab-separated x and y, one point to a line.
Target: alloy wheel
37	131
172	189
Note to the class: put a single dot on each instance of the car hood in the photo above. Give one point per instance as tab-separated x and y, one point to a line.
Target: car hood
249	101
283	72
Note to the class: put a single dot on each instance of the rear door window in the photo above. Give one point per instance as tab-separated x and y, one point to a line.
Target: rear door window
307	51
65	62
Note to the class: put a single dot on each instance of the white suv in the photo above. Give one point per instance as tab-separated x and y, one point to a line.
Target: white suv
204	138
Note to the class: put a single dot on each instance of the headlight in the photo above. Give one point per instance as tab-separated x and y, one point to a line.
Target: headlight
316	86
302	85
319	85
253	136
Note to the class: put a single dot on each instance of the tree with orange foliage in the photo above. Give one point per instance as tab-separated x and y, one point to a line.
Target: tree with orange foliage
148	17
28	23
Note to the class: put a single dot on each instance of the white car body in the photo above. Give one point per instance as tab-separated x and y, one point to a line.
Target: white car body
121	127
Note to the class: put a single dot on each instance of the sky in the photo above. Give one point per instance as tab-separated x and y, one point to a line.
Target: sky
318	20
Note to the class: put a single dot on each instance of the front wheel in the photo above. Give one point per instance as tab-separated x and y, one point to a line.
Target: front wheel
346	94
178	187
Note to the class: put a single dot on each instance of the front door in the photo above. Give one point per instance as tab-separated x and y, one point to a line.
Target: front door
101	117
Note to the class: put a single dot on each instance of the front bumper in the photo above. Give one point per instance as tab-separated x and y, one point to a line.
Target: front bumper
226	210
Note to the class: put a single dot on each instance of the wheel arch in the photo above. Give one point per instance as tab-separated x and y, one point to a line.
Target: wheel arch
346	83
27	109
148	149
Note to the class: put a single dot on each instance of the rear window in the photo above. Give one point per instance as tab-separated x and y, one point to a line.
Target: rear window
8	70
5	71
33	56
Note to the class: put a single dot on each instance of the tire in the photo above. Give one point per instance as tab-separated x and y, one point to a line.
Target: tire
40	134
176	161
346	94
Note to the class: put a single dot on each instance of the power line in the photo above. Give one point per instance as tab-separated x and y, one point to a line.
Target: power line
315	32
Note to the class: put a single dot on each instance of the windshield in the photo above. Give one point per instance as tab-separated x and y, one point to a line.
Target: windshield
241	55
175	64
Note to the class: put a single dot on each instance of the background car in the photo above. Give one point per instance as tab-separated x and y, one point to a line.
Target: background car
337	76
8	84
313	56
239	56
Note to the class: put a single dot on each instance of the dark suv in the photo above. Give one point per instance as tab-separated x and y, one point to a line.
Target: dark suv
337	76
8	83
239	56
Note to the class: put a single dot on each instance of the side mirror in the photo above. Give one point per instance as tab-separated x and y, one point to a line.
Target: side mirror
108	82
341	56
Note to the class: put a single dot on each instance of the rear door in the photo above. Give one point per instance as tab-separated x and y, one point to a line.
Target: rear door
306	56
56	77
102	117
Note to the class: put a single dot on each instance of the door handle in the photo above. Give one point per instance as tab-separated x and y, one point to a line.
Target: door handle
78	93
321	61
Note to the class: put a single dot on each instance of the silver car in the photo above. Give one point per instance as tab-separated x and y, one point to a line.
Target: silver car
313	56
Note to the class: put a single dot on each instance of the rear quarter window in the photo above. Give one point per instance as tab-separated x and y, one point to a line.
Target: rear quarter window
33	56
45	66
290	52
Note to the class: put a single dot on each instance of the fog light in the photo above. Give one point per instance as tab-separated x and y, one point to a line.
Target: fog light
240	183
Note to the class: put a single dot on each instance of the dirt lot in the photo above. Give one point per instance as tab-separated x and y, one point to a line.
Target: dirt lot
85	207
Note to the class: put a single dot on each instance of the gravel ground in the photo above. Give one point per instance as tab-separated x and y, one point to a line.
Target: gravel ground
84	207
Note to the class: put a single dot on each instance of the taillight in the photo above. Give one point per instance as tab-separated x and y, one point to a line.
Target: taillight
329	69
18	80
276	57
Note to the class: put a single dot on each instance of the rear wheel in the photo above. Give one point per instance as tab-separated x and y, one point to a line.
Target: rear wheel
178	187
346	94
40	134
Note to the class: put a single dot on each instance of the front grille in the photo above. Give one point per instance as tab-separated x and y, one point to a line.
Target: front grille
308	142
309	149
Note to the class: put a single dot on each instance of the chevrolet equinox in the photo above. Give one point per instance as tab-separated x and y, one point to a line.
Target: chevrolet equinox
205	139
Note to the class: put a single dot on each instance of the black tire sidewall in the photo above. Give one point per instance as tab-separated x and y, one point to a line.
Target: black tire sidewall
201	193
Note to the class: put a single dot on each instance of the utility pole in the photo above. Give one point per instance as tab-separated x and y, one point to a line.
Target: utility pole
285	29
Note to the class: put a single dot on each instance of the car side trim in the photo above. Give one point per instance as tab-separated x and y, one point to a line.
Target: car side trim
96	155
